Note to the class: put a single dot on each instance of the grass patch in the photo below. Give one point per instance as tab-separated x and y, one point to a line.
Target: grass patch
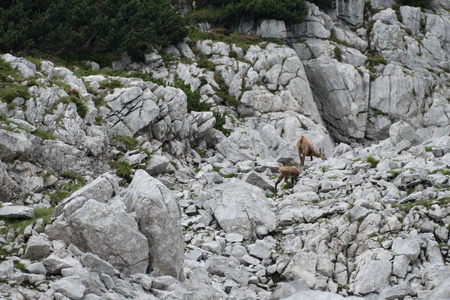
19	225
74	177
231	175
373	61
338	53
395	173
43	134
57	195
13	91
124	170
373	162
445	172
202	153
110	84
130	142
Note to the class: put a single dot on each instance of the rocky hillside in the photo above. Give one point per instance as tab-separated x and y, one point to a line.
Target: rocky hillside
155	180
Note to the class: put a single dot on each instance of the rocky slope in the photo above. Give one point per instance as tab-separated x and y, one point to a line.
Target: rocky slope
150	201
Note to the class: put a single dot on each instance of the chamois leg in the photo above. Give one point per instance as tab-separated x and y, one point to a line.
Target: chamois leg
280	177
302	161
286	179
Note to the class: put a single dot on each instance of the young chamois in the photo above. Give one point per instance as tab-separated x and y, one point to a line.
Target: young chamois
305	148
286	173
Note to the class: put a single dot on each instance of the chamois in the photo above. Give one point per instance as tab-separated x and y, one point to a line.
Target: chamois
286	173
306	148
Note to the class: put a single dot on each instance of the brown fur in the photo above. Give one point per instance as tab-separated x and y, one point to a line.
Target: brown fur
306	148
286	173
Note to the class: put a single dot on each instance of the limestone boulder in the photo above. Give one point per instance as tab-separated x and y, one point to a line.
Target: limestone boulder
105	229
239	207
159	220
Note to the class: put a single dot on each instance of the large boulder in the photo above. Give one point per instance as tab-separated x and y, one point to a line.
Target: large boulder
239	207
105	229
159	220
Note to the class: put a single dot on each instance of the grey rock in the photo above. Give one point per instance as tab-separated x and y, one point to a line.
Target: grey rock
407	247
396	292
17	212
400	266
302	266
286	289
7	270
373	277
256	179
102	189
234	215
442	291
38	247
108	231
58	261
36	268
272	29
21	65
402	131
9	187
15	145
160	221
319	295
96	264
157	164
70	287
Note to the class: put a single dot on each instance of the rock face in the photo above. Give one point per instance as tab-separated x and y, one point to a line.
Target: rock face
128	192
159	220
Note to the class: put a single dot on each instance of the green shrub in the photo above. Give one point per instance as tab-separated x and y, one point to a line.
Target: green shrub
338	53
85	26
205	63
325	4
230	12
220	121
82	108
416	3
193	97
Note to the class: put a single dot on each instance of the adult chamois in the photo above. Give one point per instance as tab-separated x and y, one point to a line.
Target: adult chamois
286	173
306	148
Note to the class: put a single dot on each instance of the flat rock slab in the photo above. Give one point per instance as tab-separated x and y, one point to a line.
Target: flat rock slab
17	212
